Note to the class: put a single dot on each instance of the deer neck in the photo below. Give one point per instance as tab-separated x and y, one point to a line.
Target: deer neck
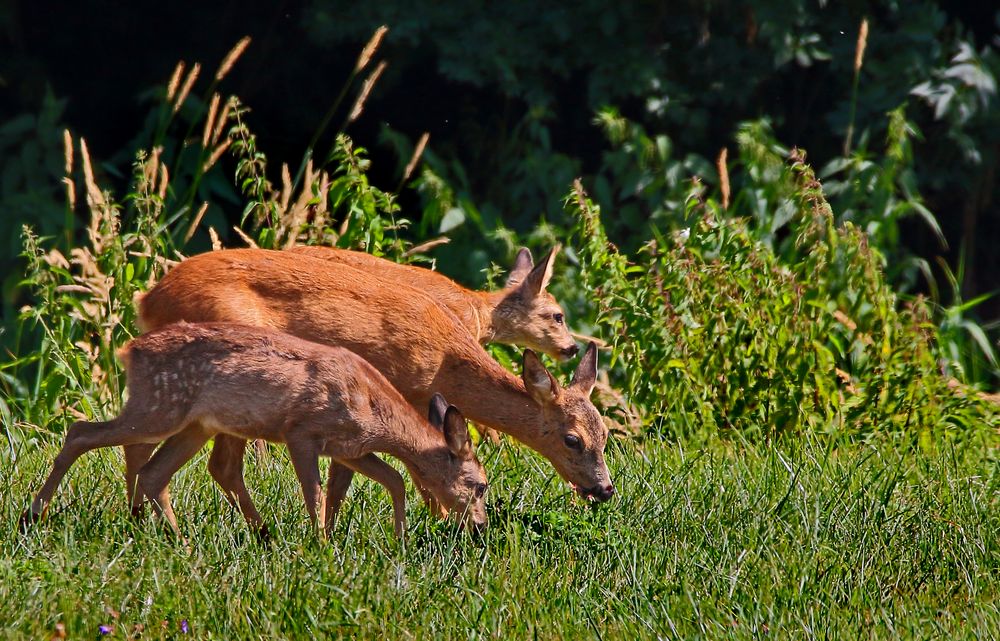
493	397
420	447
482	306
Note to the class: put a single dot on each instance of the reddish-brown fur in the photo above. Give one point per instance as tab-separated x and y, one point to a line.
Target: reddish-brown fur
522	313
187	383
419	346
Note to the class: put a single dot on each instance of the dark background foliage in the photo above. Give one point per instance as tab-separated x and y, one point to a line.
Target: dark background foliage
509	92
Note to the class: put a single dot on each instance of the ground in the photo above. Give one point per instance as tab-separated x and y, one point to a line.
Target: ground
802	539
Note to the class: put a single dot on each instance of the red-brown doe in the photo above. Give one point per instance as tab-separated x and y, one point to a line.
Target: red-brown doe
418	345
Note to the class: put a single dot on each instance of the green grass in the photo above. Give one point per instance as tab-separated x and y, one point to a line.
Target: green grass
703	541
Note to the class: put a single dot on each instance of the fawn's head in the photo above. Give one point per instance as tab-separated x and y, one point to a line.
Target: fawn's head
460	483
572	434
528	315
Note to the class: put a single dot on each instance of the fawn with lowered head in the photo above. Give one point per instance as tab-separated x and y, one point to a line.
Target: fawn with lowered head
419	346
522	313
188	383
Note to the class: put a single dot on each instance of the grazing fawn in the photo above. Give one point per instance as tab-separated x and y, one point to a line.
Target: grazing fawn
418	345
190	382
522	313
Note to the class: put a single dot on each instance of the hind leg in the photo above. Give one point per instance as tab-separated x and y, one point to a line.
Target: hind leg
135	457
84	436
338	482
305	460
226	467
154	477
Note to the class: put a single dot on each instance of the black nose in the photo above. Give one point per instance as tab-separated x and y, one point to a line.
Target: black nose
570	352
603	493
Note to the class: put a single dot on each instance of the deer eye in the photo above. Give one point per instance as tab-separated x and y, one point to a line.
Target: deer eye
480	490
572	441
558	318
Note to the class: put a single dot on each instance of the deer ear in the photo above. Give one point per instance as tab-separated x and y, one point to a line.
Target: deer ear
456	433
538	278
522	266
541	385
586	372
437	411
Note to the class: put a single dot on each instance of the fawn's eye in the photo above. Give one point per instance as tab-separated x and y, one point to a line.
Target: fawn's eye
480	490
558	318
572	440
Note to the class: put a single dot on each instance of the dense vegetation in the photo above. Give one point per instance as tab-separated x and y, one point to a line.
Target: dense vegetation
804	445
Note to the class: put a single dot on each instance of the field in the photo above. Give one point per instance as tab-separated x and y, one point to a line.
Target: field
805	539
802	387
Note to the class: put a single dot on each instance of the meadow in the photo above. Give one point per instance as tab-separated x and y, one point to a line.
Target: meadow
711	540
799	450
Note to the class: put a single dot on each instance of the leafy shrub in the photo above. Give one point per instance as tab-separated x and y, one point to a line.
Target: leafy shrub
712	330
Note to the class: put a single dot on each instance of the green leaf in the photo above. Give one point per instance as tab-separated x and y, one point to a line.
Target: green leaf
452	219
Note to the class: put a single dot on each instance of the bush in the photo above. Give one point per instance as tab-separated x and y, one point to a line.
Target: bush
712	330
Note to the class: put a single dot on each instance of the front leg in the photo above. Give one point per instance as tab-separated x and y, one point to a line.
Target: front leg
378	470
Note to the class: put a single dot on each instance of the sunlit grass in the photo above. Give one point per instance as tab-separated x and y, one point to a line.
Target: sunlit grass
712	540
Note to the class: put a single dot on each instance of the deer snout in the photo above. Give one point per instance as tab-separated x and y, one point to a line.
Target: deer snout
599	493
604	492
569	352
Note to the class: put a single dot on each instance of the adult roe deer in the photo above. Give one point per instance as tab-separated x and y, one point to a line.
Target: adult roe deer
522	313
188	383
419	346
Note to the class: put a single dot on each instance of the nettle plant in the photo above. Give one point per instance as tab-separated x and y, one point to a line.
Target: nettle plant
711	330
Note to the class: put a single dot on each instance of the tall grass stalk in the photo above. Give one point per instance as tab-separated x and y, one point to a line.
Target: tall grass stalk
859	57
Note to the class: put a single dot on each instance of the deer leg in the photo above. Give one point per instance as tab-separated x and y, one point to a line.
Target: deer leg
305	460
337	484
84	436
378	470
226	467
154	477
135	457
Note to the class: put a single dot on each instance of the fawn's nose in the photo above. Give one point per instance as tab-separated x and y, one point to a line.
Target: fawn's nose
604	492
569	352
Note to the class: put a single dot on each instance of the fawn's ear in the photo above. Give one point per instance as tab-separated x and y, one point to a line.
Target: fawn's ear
456	433
538	278
585	376
437	410
541	385
522	267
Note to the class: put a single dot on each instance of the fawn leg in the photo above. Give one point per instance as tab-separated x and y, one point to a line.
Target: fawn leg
226	466
154	477
378	470
338	482
305	460
135	457
84	436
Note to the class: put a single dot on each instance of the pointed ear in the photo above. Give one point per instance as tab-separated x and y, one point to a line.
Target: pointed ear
586	372
522	266
541	385
438	408
456	433
538	279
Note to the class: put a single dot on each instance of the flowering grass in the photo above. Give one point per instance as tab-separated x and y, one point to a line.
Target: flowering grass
704	540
